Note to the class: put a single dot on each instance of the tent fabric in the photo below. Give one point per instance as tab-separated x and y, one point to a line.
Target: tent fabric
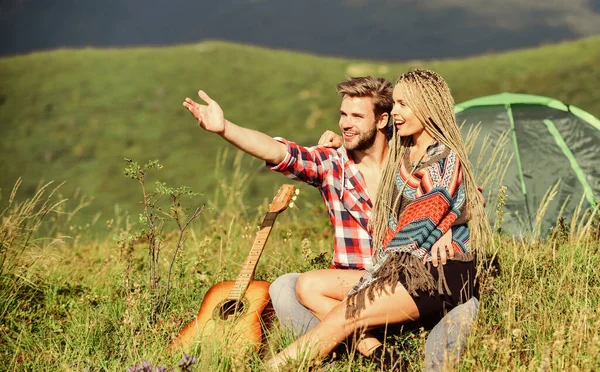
504	99
549	141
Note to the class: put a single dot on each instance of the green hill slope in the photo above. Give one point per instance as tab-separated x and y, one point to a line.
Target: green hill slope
75	114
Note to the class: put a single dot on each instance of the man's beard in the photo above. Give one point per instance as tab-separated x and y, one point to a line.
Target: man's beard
364	142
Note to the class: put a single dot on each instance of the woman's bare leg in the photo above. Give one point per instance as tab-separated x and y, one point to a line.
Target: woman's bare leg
322	290
397	307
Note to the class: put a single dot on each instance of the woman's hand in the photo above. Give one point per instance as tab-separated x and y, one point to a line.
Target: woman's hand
209	116
439	249
462	219
330	139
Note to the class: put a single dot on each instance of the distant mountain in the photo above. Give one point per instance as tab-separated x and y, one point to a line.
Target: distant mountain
373	29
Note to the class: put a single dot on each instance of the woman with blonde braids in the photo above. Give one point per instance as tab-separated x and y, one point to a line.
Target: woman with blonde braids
427	184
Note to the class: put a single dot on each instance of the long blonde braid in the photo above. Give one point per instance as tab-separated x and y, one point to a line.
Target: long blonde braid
429	97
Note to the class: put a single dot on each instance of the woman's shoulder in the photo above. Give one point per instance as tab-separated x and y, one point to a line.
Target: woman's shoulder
443	167
440	156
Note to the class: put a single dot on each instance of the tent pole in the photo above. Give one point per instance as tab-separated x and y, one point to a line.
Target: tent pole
589	193
519	165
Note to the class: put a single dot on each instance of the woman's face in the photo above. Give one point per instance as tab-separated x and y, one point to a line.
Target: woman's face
405	120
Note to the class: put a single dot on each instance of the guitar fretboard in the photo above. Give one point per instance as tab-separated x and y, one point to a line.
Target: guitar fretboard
247	272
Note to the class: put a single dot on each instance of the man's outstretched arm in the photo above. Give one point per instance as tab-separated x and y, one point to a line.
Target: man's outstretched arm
210	117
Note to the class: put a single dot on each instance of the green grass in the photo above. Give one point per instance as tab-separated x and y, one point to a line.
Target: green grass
73	303
73	115
72	299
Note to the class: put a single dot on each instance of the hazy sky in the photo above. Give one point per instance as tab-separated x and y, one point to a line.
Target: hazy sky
388	29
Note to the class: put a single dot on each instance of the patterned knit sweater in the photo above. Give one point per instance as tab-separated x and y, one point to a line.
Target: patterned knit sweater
433	197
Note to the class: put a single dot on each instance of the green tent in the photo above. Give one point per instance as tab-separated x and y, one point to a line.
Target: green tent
549	141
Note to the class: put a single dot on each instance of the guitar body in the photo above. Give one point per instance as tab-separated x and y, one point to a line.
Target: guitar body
219	317
234	311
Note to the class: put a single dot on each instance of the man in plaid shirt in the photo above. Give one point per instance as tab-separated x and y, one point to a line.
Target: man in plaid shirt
347	177
342	187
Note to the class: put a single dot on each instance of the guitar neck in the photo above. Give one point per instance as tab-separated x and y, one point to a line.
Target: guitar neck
248	268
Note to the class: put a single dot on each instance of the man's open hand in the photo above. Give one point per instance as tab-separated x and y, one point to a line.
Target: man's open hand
209	116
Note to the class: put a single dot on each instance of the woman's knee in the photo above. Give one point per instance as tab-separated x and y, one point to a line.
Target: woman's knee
308	288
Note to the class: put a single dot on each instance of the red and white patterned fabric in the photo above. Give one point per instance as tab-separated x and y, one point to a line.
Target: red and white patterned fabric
434	198
343	189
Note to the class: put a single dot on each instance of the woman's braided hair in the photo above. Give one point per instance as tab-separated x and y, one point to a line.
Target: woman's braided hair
429	97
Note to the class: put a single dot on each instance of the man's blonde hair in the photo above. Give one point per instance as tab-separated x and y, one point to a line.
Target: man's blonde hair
378	89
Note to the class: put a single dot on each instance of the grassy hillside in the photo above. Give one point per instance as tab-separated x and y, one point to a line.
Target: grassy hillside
73	115
70	306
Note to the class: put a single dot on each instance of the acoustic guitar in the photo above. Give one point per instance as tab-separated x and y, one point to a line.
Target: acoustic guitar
232	310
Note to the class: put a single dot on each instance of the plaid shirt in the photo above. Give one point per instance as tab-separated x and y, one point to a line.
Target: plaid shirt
343	189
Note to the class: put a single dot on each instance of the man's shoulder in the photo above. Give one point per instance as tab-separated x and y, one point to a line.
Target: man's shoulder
338	155
319	158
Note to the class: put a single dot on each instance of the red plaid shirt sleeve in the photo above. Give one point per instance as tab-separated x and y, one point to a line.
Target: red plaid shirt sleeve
344	194
306	164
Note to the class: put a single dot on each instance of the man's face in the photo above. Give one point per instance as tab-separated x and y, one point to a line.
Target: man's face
405	120
357	123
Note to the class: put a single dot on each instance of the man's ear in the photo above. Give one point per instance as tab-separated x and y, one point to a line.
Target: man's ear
383	120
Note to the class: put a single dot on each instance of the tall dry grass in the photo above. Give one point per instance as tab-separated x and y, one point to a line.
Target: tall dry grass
83	306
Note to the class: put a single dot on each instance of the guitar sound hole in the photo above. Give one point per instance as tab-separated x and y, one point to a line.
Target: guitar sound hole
230	308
